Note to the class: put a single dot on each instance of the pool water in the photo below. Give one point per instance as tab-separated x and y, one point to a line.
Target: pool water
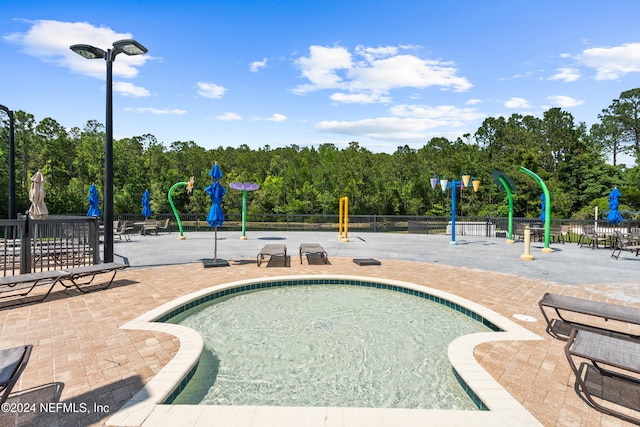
327	345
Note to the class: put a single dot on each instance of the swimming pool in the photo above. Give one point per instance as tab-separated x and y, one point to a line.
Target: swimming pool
328	344
149	403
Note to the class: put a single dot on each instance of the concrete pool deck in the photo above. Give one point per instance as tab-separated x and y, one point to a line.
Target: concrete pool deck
91	367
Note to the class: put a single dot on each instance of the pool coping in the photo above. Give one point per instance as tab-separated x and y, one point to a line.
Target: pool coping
146	406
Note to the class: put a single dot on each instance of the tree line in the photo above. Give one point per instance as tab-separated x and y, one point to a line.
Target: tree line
569	157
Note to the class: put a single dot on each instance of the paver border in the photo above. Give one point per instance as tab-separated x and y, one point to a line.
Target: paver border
147	404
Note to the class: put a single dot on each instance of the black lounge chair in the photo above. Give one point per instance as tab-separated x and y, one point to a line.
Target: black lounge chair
560	328
83	276
313	249
12	363
272	250
620	386
15	289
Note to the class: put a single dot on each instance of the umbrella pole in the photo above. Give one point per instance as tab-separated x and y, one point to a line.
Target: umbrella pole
215	246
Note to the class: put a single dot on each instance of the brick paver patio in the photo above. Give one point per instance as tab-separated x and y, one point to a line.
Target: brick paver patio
82	359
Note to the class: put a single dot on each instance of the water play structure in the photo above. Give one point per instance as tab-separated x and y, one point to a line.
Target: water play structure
189	186
244	187
343	219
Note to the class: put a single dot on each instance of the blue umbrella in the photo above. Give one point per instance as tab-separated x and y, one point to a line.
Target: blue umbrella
216	217
146	204
94	200
216	192
614	216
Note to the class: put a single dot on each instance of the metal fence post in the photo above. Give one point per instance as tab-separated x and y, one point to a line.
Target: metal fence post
25	248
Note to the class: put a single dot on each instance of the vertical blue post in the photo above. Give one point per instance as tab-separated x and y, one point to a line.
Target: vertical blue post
453	212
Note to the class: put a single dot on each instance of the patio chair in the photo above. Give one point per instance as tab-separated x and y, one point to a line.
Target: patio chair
518	231
313	249
150	225
272	250
618	388
122	228
556	234
628	242
164	226
12	363
591	237
565	232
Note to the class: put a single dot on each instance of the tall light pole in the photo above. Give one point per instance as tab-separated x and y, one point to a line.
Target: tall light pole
12	164
129	47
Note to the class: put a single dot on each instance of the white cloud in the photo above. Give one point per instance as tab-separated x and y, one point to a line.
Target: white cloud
564	101
321	67
49	41
612	62
157	111
359	98
373	72
210	90
406	122
566	74
228	117
378	128
517	103
255	66
127	89
276	118
473	101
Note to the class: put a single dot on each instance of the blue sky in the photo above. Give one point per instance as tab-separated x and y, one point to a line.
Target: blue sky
383	73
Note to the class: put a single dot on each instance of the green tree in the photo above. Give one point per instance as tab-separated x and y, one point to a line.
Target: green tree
626	112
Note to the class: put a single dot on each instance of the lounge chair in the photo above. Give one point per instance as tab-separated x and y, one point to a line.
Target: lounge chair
14	289
620	387
313	249
561	327
12	363
83	276
272	250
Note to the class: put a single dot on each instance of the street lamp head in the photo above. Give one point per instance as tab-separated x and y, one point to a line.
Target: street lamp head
130	47
88	51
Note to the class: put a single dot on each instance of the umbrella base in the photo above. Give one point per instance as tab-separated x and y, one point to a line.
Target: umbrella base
208	263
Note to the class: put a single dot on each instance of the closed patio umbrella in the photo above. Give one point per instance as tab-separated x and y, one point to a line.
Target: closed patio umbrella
146	204
94	201
614	216
216	216
37	210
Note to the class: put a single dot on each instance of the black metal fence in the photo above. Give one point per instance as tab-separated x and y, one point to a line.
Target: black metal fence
59	242
55	243
465	225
